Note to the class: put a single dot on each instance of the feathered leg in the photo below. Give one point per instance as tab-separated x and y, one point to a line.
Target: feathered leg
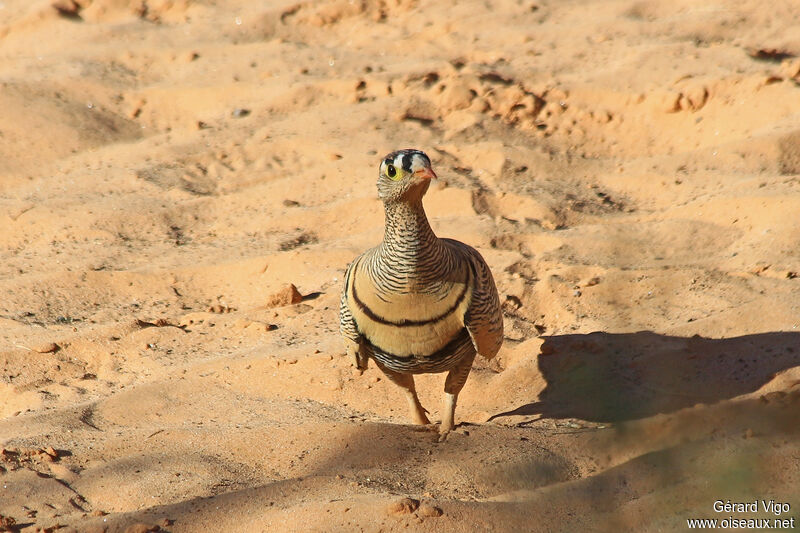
406	382
455	381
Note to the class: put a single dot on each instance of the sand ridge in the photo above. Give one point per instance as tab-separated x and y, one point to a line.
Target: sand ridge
629	170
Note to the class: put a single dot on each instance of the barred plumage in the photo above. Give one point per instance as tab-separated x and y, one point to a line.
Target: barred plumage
416	303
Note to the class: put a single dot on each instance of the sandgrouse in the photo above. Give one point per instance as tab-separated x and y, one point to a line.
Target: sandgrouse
417	303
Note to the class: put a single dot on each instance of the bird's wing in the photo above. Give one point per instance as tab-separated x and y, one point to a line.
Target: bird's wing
484	316
347	324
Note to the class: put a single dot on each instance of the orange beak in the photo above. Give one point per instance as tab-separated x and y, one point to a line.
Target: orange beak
425	173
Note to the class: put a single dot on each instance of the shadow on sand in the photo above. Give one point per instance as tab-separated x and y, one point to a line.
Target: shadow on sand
608	377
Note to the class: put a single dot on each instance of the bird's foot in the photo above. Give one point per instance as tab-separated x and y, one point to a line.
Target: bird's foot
444	431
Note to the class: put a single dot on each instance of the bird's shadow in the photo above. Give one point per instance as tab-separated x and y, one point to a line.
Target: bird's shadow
612	377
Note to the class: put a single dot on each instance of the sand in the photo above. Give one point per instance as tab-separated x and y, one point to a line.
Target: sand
630	170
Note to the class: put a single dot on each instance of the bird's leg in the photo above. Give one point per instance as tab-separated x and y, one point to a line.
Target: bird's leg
452	386
356	352
406	382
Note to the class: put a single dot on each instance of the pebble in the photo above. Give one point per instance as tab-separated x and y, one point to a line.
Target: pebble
49	347
261	326
219	309
287	296
429	511
403	506
67	8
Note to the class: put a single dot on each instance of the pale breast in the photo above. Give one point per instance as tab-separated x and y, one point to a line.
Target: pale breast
418	321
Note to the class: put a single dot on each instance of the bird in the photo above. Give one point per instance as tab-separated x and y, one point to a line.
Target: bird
417	303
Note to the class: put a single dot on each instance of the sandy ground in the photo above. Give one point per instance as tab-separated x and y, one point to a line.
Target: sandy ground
629	169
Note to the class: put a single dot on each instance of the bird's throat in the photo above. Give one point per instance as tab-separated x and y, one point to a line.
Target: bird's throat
407	231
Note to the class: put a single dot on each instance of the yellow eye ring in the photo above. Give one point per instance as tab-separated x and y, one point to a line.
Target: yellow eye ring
391	171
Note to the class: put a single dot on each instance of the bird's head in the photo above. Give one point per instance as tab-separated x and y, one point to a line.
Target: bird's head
404	176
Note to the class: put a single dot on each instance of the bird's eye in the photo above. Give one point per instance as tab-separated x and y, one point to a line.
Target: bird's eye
391	171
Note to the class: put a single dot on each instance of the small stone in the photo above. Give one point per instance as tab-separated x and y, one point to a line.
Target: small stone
429	511
240	112
49	347
67	8
403	506
287	296
769	54
220	309
50	452
260	326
